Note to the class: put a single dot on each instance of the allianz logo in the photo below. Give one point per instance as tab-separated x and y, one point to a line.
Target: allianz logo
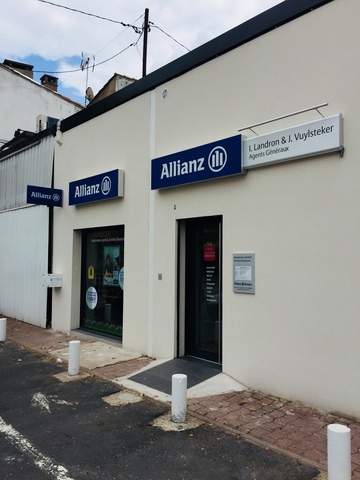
105	185
84	189
216	161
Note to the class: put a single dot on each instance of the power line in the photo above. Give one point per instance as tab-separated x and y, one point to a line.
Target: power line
117	36
168	35
122	51
96	65
136	29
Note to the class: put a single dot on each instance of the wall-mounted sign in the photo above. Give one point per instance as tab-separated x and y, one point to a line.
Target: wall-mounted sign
94	189
308	139
206	162
244	272
52	197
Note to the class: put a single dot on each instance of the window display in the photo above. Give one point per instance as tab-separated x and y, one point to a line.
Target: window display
103	280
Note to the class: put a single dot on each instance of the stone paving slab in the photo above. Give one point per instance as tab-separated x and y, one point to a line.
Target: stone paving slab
98	354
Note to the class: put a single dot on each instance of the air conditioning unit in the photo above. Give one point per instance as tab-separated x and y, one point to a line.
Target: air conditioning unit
43	122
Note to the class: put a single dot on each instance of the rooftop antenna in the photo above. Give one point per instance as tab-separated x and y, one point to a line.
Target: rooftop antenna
87	61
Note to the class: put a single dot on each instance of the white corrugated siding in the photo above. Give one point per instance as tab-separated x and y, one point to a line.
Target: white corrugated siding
24	234
23	261
32	166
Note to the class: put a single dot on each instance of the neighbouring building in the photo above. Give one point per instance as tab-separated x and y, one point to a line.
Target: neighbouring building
115	83
26	227
30	112
258	267
27	105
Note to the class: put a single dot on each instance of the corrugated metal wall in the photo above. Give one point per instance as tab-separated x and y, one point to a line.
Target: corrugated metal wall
32	166
24	234
23	260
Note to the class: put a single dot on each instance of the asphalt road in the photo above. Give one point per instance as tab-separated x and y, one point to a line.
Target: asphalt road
65	431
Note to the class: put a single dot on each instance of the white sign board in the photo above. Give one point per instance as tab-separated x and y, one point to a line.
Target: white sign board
313	138
244	272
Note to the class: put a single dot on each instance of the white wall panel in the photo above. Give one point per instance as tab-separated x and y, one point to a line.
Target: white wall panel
23	260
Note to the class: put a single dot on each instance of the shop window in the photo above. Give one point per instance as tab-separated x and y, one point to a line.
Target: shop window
102	285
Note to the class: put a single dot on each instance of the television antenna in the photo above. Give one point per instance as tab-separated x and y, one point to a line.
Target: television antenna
87	62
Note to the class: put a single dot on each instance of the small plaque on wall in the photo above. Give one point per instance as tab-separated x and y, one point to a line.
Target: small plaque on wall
244	272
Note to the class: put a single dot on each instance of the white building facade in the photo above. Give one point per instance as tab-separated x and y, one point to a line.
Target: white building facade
256	269
23	100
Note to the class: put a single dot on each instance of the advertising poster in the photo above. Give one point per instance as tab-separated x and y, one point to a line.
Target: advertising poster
111	265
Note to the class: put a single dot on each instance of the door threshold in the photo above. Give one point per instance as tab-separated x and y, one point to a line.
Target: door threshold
204	360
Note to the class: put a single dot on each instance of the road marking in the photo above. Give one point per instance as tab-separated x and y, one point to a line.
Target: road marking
39	399
44	463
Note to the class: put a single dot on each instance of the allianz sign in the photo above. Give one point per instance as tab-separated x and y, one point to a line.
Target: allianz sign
206	162
93	189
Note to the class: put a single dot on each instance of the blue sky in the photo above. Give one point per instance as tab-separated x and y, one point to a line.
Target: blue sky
52	38
42	66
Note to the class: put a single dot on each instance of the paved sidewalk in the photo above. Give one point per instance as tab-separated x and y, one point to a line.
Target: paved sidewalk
277	424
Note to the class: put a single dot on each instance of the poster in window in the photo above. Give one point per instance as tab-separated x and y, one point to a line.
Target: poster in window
111	265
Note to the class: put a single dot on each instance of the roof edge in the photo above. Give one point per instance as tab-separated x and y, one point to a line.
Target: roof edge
36	138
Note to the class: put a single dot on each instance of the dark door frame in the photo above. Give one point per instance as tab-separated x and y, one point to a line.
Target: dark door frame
187	288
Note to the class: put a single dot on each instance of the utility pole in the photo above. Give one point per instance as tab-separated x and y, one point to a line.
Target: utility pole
145	31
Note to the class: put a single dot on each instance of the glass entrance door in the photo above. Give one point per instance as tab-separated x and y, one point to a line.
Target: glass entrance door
203	290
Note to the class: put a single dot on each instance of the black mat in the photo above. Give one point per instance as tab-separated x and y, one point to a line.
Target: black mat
160	377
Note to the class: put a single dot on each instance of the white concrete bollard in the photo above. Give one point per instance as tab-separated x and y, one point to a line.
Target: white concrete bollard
339	452
2	329
178	401
74	357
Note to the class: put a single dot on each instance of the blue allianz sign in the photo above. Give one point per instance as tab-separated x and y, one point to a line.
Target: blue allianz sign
96	188
52	197
206	162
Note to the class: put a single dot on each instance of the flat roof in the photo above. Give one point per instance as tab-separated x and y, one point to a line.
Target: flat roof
276	16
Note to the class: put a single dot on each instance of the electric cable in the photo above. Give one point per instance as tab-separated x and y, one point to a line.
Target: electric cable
136	29
95	65
168	35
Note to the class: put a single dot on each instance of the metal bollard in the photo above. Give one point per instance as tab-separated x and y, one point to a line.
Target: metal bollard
2	329
178	401
339	452
74	357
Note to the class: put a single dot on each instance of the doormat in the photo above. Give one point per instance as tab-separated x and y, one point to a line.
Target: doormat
160	377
